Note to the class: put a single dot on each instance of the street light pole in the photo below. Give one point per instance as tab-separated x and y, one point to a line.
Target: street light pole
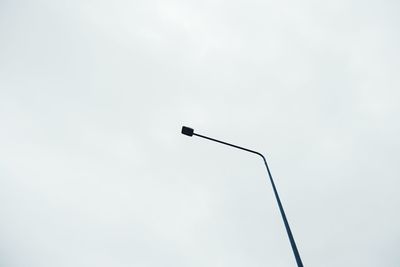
190	132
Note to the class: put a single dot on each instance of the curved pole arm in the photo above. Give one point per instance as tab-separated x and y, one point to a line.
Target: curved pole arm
190	132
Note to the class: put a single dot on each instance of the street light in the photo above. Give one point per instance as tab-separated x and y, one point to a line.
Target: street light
190	132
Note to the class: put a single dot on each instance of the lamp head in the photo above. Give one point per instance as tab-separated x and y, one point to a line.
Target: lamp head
187	131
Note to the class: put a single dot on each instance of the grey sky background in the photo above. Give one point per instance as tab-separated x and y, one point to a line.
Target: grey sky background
94	171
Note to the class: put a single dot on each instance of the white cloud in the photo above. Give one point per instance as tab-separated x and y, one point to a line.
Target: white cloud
93	170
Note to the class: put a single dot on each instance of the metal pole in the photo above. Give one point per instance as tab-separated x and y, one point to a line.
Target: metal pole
190	132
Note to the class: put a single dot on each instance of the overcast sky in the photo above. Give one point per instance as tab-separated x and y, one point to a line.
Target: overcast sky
94	170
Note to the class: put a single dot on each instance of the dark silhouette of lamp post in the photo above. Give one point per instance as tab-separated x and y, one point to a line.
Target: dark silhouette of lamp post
190	132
